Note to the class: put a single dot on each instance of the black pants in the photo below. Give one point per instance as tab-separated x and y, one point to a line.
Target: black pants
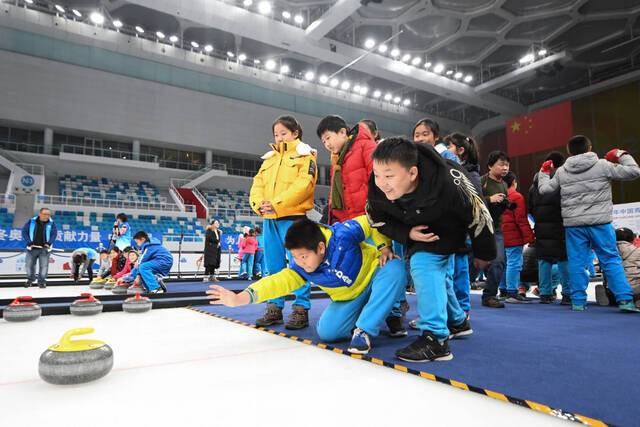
76	271
210	269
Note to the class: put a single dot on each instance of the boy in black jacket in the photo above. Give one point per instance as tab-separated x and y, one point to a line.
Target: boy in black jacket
429	204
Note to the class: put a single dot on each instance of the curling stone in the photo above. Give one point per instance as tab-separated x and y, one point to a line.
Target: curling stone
137	304
75	362
97	284
22	309
109	284
120	289
87	306
136	289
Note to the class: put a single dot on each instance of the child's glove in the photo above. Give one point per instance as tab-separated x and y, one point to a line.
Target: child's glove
614	155
547	167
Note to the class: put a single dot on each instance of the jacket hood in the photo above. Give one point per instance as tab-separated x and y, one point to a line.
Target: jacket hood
581	162
471	167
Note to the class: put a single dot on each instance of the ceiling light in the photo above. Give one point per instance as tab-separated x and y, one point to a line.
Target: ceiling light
242	57
270	64
208	48
364	90
160	35
438	68
28	1
406	102
395	52
458	75
334	82
345	85
195	45
139	29
356	88
284	69
323	79
468	78
173	39
76	12
369	43
309	75
231	54
117	23
528	58
264	7
397	99
406	57
427	65
542	52
96	18
388	96
256	62
286	14
449	72
377	94
382	48
60	8
298	19
247	3
416	61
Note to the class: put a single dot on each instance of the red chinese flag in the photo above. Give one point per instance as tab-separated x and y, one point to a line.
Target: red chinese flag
540	130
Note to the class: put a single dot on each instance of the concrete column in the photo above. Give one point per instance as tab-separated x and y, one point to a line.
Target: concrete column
48	141
135	149
208	157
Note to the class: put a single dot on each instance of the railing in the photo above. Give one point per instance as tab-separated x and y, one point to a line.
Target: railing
7	199
202	200
98	195
31	168
112	154
177	197
107	203
186	238
21	147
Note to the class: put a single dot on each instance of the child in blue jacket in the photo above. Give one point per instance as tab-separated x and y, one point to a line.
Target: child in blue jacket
155	260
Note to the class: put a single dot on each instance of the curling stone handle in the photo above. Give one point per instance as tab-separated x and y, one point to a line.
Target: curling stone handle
66	338
21	299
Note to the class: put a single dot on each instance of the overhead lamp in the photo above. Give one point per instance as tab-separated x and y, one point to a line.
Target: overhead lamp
468	78
388	97
377	94
395	53
264	7
406	57
416	61
334	82
173	39
270	64
369	43
397	99
286	14
60	8
542	52
406	102
195	45
247	3
345	85
323	79
458	75
231	54
364	90
298	19
76	12
139	29
309	75
96	18
382	48
528	58
449	72
208	48
160	35
242	57
117	23
284	69
439	68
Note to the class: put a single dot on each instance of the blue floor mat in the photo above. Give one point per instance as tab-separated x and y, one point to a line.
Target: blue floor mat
582	363
200	286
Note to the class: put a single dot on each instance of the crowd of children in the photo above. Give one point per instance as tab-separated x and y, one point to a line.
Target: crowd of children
447	222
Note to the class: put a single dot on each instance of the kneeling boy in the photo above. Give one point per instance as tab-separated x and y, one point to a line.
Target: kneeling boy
363	281
155	260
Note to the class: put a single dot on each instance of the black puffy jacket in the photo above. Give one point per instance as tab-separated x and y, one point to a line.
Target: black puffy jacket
546	212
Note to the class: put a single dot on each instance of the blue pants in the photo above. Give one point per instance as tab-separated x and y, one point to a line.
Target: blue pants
591	269
461	282
369	309
437	302
260	265
602	238
247	265
511	277
400	250
149	270
496	269
276	256
41	256
550	275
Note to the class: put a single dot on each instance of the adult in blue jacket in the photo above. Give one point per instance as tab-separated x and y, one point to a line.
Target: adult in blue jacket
39	233
155	260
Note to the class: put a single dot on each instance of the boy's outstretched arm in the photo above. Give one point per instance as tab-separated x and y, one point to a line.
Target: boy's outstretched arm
546	184
270	287
622	166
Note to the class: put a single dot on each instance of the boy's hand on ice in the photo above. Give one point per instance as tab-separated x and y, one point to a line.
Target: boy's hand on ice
386	254
417	234
547	167
222	296
614	155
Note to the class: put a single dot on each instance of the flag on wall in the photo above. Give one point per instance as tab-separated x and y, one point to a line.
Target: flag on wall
539	130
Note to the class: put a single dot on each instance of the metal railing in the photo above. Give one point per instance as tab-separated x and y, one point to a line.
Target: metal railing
107	203
101	152
23	147
31	168
123	197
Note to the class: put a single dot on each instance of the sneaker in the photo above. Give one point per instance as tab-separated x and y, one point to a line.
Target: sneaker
547	299
395	327
517	299
576	307
628	307
460	330
502	294
492	302
163	287
298	319
522	291
42	285
475	286
426	348
360	342
414	324
28	284
271	316
566	300
411	290
601	296
536	291
404	307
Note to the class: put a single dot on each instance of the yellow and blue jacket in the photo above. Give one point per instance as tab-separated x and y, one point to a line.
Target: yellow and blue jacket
287	178
345	272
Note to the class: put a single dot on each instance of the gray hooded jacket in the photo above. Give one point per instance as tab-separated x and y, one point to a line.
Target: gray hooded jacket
585	187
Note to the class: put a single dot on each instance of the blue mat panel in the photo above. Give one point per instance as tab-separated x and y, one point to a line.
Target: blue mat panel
583	363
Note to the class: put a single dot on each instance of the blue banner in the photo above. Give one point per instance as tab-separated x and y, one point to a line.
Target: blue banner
11	239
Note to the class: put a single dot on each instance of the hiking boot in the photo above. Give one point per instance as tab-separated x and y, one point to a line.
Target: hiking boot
628	307
492	302
298	319
566	300
271	316
426	348
517	299
360	342
601	296
547	299
396	330
460	330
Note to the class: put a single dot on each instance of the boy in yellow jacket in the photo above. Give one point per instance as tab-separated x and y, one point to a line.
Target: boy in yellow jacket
282	192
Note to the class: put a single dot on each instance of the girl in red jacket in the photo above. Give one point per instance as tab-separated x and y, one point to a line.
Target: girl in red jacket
517	233
248	246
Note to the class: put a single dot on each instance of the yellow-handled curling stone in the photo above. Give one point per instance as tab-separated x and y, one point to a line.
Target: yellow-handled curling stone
75	361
